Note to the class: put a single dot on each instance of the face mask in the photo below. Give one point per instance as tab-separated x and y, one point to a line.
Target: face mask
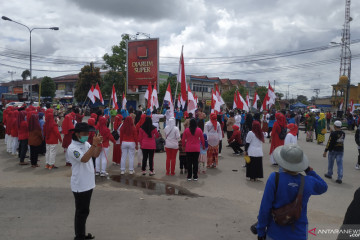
83	139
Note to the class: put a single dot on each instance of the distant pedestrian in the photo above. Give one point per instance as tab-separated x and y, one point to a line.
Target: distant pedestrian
147	135
275	135
235	141
335	147
291	136
52	138
35	140
172	135
214	133
128	142
321	129
253	149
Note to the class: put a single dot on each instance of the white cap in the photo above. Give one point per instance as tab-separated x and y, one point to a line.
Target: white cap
337	123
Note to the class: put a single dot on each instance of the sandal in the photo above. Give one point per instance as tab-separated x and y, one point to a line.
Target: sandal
23	163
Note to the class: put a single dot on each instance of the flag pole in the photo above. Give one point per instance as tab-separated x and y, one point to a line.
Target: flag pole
177	82
84	101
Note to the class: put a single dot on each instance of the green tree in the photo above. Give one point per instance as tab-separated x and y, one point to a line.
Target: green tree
228	96
87	77
279	95
303	99
25	74
115	63
48	87
163	87
261	91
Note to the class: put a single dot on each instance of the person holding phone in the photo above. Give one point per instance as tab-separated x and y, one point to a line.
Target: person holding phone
79	154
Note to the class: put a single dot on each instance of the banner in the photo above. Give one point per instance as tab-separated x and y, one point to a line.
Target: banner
143	63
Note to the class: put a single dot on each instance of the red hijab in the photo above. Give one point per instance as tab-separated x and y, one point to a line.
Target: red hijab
117	122
91	122
34	123
256	129
213	119
141	121
94	116
128	126
67	124
280	119
15	119
293	129
21	118
103	129
49	124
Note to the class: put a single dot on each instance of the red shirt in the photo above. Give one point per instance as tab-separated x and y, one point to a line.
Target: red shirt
53	136
106	140
145	141
236	136
14	129
23	130
192	142
133	137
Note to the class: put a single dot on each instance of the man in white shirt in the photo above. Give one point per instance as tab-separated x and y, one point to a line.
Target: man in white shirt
80	153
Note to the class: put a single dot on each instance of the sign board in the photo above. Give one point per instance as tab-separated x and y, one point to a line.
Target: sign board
142	63
208	102
26	87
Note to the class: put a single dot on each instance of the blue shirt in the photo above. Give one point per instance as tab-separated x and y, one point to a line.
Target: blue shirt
291	120
107	111
124	113
271	123
178	114
242	119
288	188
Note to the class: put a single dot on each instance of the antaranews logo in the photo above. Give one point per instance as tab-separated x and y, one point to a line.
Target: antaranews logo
329	232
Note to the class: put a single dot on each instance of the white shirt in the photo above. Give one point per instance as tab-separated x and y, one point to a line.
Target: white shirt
156	117
237	120
83	175
255	145
213	136
289	139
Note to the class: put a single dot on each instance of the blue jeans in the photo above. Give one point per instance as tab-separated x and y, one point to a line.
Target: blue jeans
338	156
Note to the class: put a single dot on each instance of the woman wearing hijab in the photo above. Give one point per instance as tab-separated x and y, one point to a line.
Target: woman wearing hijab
310	121
321	129
35	139
66	126
147	135
214	135
52	138
9	121
14	133
291	136
138	126
128	142
172	135
191	139
101	160
275	140
117	146
23	130
253	149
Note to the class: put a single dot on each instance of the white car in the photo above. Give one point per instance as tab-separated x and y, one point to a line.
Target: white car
14	104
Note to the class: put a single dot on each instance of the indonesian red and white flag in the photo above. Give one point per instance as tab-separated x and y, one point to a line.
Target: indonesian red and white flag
215	104
242	103
256	98
191	102
217	92
181	78
123	104
235	101
148	91
114	99
352	107
168	98
97	93
341	104
271	96
154	99
247	100
91	94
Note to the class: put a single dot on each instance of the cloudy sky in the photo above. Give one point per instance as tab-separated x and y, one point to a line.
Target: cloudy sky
227	39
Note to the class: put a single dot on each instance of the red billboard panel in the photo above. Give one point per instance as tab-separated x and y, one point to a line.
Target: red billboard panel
143	63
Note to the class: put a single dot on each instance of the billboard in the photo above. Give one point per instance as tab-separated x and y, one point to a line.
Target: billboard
142	64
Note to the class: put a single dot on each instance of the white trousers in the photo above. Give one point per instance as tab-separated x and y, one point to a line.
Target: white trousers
9	144
14	145
272	160
139	156
6	138
50	153
101	160
127	148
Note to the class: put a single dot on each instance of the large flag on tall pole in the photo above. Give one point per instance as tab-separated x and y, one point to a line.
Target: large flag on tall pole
91	94
154	99
97	93
124	101
256	98
114	99
269	99
168	98
181	78
217	92
242	103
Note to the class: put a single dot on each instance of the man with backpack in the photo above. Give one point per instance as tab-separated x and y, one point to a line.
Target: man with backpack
280	216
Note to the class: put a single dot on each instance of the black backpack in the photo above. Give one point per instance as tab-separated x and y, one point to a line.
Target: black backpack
282	134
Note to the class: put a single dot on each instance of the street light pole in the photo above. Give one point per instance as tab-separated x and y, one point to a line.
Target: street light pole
30	31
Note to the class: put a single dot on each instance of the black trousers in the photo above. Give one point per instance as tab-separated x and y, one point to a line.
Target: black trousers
236	147
220	146
182	162
328	124
269	131
148	153
23	147
82	210
192	160
229	134
178	121
359	157
34	154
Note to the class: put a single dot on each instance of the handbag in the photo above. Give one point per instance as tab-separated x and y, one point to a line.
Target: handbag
291	212
247	159
115	134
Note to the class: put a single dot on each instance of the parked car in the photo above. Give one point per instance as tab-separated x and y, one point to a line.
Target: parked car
14	104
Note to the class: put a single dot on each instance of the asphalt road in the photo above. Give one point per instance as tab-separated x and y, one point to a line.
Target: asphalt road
38	203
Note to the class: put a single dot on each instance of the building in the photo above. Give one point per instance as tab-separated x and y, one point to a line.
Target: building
339	92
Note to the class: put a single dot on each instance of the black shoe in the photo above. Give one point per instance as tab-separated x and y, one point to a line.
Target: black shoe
327	176
339	181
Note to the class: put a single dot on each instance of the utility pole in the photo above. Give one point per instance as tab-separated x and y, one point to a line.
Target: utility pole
11	73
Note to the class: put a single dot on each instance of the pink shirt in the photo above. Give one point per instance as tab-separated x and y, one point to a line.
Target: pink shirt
192	142
145	141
